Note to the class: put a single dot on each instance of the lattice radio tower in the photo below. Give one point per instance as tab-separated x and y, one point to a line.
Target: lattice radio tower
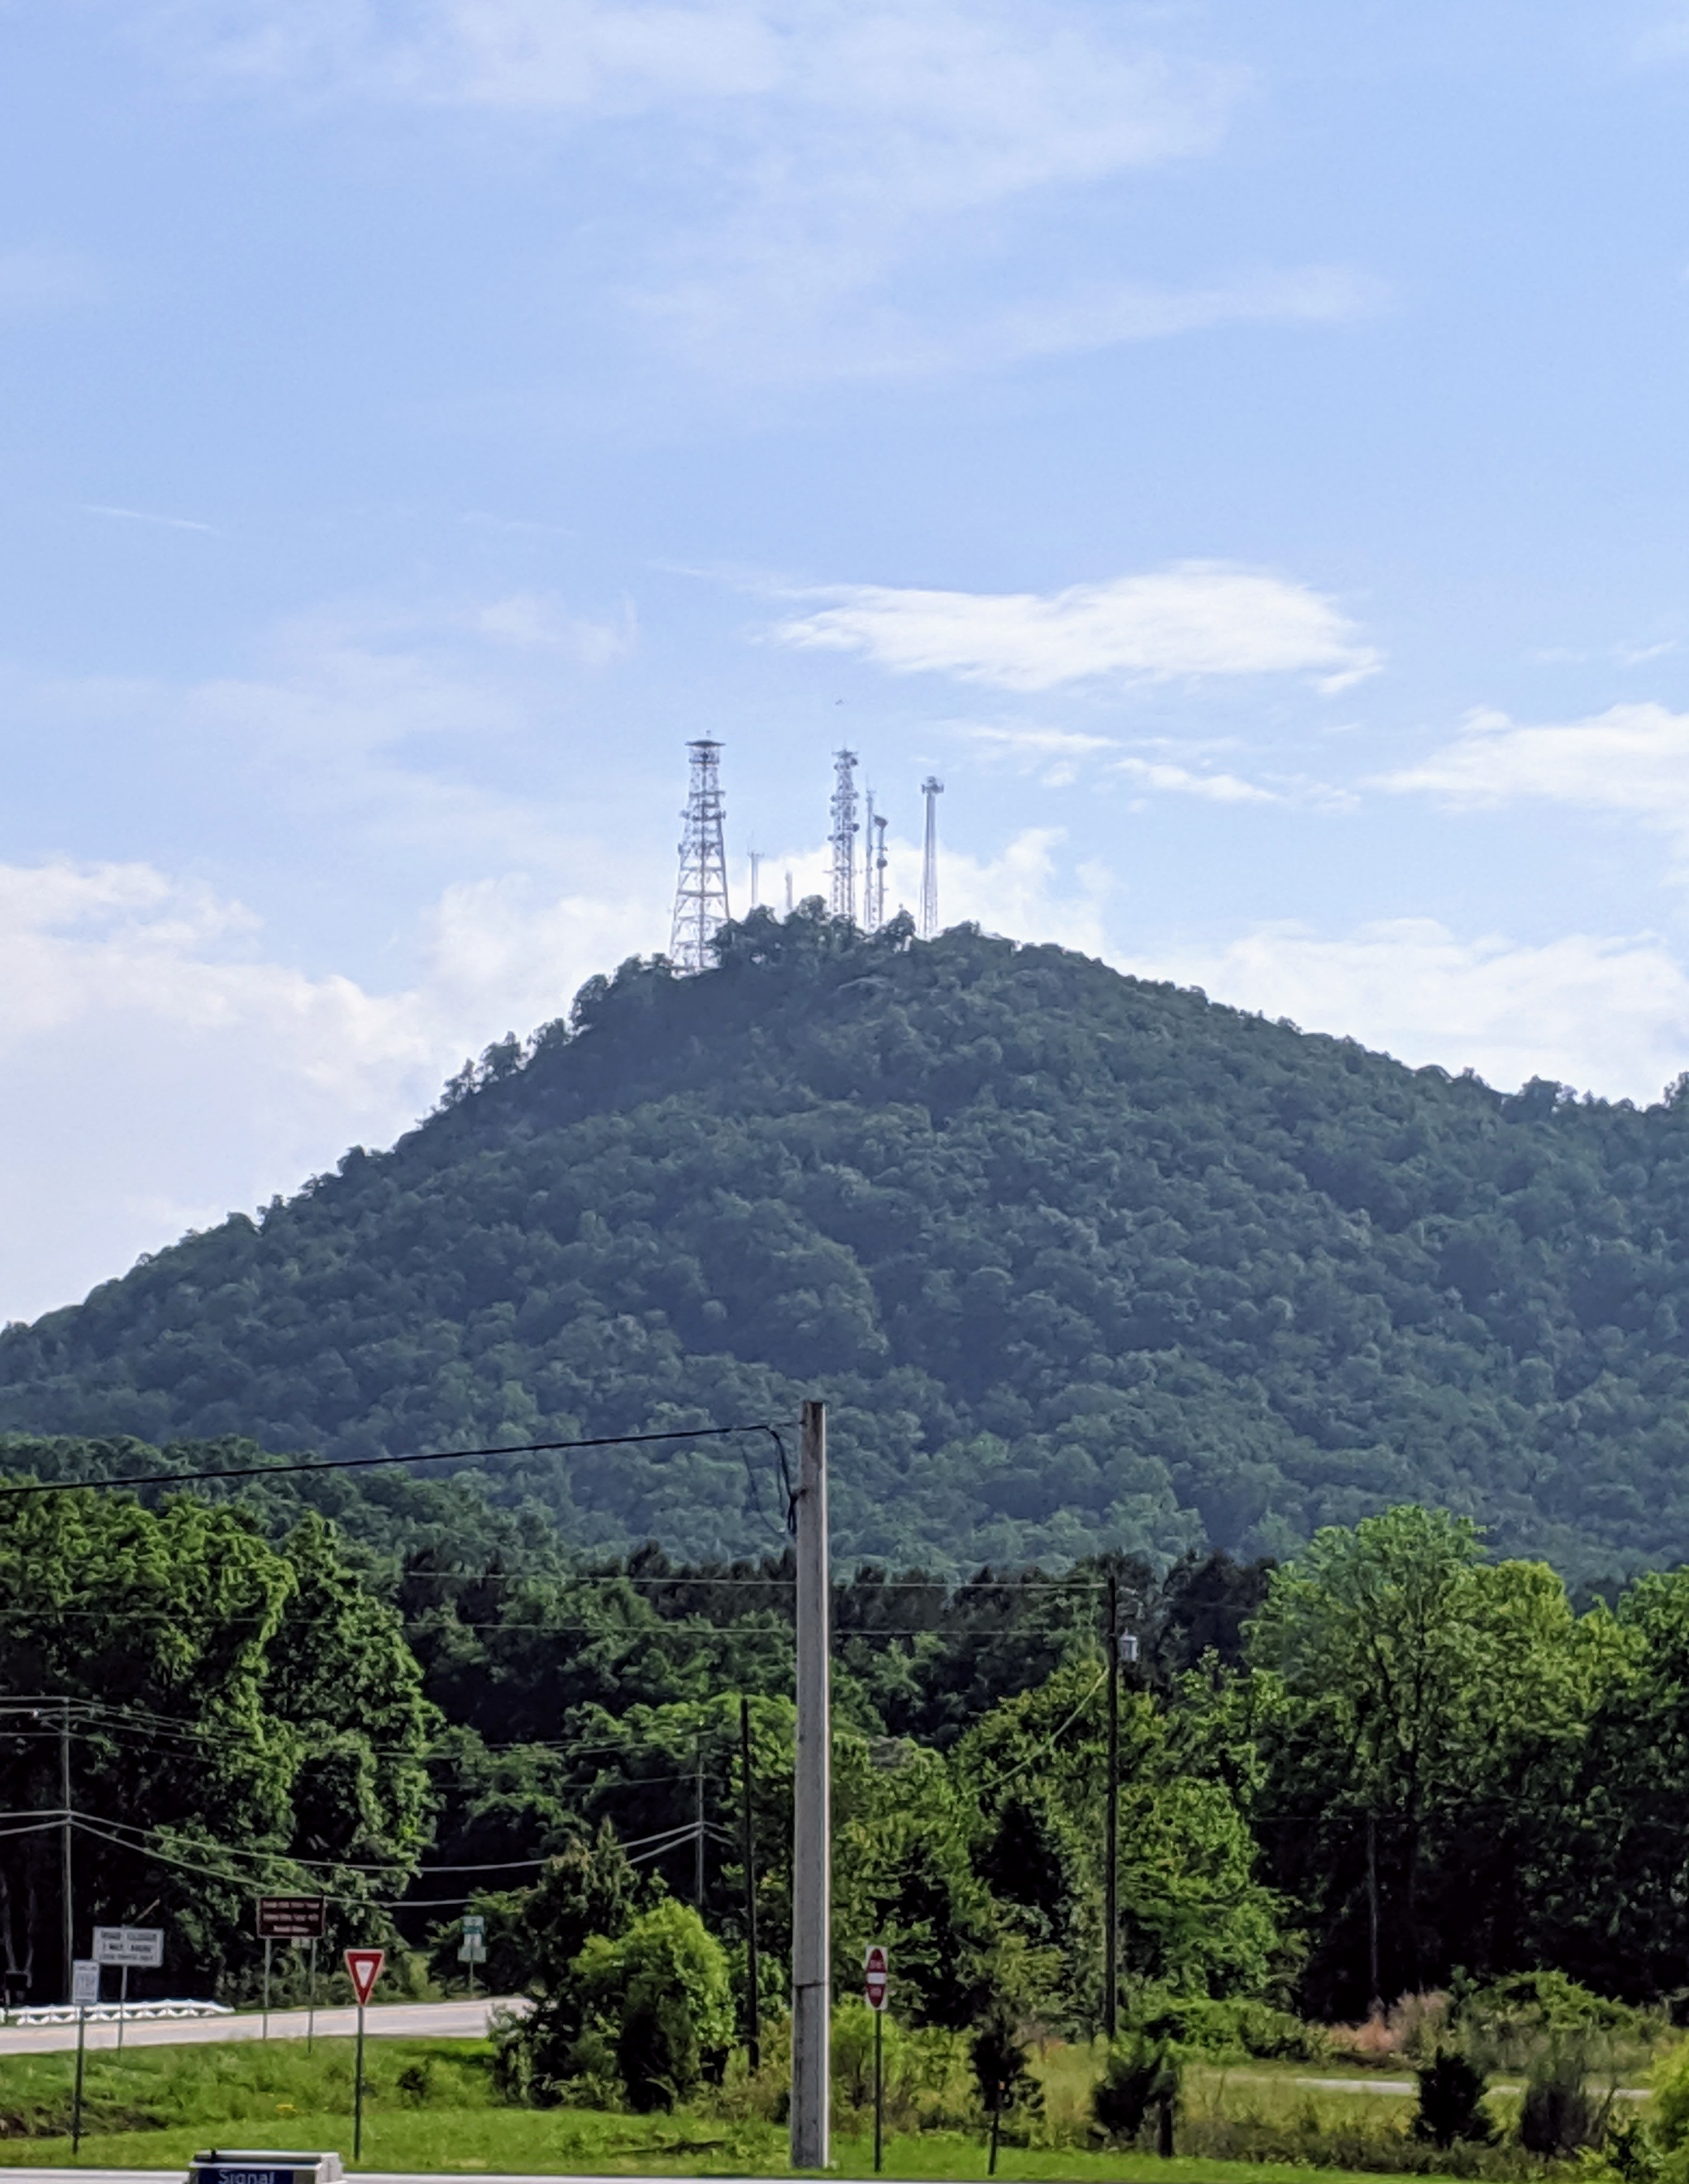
932	788
700	894
844	835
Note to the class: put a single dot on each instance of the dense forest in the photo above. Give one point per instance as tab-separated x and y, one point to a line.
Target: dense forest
1081	1264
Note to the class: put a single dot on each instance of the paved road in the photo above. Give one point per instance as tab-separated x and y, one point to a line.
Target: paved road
393	2020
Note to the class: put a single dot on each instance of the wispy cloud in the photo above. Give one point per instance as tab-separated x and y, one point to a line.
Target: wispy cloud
38	280
1179	780
532	620
1630	758
813	198
1195	619
144	516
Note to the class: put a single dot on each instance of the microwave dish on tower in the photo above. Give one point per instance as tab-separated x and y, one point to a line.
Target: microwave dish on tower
932	788
700	894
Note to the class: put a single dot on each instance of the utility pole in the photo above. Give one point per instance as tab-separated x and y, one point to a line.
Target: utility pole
932	788
753	2007
1111	1847
812	1847
698	1824
64	1798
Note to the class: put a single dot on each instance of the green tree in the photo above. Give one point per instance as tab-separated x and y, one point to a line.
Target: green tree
1423	1717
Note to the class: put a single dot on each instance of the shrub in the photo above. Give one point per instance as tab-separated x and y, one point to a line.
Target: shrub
1000	2060
657	2000
1451	2089
1559	2115
1140	2073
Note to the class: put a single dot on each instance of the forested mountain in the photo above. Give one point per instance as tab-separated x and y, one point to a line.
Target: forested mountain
1080	1262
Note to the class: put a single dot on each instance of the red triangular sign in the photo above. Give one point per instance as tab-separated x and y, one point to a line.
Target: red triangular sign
365	1968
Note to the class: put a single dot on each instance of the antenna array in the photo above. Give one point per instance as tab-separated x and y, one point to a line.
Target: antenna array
844	835
932	788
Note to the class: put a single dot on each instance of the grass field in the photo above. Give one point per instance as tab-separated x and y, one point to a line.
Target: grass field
430	2104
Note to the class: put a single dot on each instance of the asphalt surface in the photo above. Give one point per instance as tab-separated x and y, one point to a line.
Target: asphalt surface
394	2020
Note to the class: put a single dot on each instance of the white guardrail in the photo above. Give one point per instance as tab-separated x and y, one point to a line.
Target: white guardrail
112	2013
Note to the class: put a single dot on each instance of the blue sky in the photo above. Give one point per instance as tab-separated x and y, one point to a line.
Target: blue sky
1240	448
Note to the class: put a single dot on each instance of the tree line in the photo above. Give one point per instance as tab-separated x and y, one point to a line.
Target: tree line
1392	1762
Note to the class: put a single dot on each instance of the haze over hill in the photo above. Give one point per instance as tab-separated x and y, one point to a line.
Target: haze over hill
1080	1261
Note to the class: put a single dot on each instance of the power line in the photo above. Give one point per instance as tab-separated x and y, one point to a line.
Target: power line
367	1463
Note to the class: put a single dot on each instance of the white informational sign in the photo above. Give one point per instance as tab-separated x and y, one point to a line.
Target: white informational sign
474	1922
142	1948
85	1983
473	1949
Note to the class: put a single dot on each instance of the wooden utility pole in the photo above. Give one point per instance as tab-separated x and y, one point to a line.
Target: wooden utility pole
698	1824
64	1799
753	2006
1110	1847
811	1846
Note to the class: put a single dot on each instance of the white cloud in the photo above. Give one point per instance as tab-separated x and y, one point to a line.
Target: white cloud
158	1070
530	619
1196	618
1607	1015
1034	743
1630	758
1180	780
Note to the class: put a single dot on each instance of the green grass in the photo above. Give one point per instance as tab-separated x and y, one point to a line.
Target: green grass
430	2104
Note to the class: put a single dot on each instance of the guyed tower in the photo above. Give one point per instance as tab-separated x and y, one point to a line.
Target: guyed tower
700	894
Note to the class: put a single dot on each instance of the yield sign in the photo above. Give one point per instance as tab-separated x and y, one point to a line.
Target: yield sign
876	1976
365	1968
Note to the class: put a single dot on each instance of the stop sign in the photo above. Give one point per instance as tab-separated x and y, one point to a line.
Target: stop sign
876	1976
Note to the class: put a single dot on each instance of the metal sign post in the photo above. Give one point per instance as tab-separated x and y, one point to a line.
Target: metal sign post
125	1945
311	1999
365	1966
472	1950
291	1919
85	1989
876	1980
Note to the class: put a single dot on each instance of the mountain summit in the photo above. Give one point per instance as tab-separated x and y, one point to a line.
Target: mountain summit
1078	1261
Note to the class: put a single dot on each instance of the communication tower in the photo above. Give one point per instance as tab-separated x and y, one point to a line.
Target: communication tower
932	788
844	836
873	888
879	869
700	894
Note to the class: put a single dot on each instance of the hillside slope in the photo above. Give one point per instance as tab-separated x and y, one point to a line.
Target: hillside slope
1078	1261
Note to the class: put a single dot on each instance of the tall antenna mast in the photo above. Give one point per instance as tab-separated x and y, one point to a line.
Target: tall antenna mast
870	922
844	836
755	877
700	894
880	870
932	788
